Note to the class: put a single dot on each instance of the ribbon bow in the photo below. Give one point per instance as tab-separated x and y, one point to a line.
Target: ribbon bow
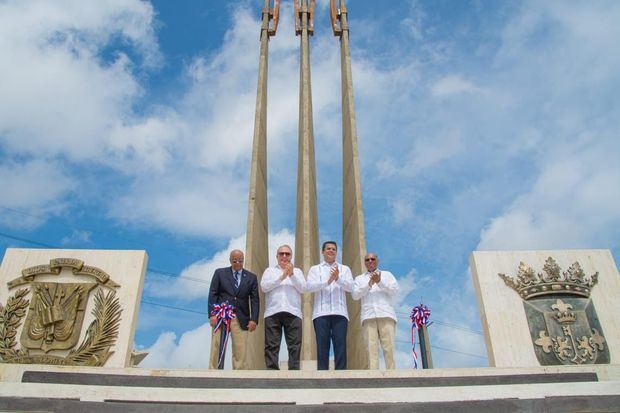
419	317
225	313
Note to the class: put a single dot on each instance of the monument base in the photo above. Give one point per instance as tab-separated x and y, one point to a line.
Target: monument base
558	388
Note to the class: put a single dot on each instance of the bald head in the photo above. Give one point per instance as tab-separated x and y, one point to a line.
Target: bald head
236	259
371	261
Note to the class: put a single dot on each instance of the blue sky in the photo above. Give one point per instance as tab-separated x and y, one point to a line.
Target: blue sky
482	125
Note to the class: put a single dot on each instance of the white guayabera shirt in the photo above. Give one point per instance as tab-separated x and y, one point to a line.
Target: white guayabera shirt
282	296
329	299
377	301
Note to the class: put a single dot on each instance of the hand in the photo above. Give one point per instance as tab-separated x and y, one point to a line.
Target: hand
213	320
334	273
251	326
377	275
287	271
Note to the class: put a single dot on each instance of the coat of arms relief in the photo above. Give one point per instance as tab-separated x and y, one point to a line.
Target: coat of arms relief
54	314
563	324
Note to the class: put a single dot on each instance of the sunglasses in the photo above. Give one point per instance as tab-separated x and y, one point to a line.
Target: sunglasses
370	259
286	254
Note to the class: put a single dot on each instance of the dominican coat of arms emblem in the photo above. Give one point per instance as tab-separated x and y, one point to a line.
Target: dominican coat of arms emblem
54	314
562	320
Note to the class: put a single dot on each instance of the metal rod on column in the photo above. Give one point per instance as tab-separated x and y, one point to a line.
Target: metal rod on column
353	231
306	230
257	242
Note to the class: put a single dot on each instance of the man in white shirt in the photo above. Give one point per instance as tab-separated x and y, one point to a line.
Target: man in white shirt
283	286
377	289
329	281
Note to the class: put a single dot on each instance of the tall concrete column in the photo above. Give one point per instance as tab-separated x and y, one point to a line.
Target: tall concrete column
306	230
257	242
353	232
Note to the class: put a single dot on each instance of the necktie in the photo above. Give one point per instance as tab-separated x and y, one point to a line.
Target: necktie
236	279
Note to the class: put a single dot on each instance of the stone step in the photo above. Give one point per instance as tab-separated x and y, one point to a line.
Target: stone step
99	379
565	404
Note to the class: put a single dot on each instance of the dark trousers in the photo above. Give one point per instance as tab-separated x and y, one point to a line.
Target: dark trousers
292	327
331	328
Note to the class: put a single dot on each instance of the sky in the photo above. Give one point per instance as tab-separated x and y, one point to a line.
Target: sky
482	125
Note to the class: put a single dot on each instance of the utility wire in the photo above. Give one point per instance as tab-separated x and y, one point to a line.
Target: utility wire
458	327
402	315
398	341
73	227
28	241
198	280
444	349
149	269
174	308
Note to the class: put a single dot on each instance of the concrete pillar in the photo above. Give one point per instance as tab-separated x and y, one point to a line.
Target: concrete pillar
353	232
306	230
257	243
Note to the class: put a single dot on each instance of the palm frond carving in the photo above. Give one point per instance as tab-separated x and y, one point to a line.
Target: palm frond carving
10	319
102	332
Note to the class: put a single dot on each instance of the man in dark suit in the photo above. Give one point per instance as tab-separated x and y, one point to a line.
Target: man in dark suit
240	288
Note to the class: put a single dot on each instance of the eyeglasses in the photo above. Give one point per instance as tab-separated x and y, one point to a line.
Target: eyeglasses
370	259
285	253
237	261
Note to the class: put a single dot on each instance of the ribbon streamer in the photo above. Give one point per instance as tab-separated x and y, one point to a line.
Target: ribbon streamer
419	317
225	313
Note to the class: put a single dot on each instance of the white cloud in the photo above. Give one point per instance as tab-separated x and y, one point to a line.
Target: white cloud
196	204
452	85
146	146
79	237
193	282
35	187
191	351
455	332
571	204
401	211
406	285
57	95
63	100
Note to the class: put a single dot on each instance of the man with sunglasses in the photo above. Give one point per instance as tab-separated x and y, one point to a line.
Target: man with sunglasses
377	289
283	285
329	281
239	287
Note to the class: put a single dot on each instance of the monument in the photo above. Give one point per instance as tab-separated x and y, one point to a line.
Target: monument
307	226
550	318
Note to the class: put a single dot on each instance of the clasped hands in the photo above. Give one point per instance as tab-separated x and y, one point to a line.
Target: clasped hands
334	274
375	278
287	271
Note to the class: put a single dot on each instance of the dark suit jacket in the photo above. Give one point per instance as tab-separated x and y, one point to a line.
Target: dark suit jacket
245	299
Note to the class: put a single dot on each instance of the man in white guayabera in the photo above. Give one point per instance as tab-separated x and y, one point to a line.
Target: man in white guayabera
377	289
283	285
329	281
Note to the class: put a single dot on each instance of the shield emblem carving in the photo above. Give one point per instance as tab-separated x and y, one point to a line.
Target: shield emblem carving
563	324
55	315
565	330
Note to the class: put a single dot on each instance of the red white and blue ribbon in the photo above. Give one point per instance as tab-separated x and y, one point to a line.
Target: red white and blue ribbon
419	317
225	313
